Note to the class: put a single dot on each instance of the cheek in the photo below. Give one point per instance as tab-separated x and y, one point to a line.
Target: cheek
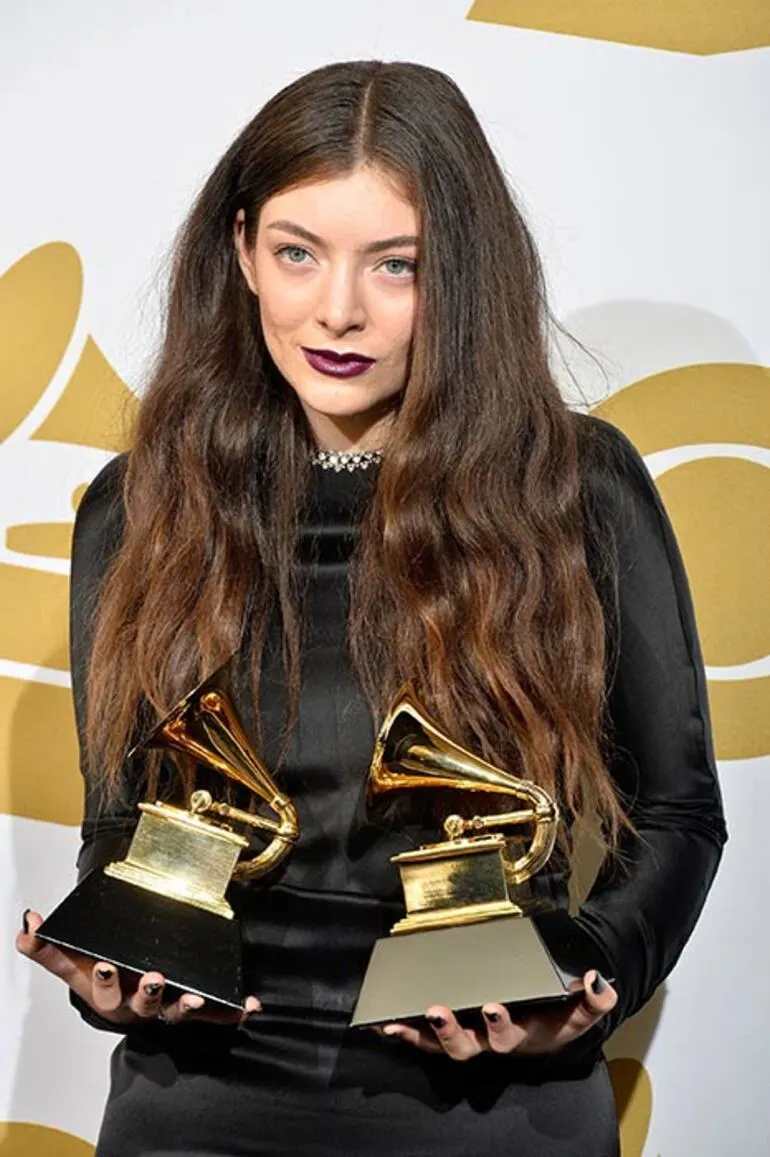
282	307
395	321
403	332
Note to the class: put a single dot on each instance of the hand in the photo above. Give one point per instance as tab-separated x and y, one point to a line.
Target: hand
121	1001
532	1034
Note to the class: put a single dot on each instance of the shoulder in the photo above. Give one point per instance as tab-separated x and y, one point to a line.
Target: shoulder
630	542
632	546
608	458
617	487
100	515
103	498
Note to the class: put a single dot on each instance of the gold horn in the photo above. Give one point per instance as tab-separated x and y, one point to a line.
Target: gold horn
412	752
206	727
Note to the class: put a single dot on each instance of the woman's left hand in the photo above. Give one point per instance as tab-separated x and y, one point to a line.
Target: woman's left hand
545	1031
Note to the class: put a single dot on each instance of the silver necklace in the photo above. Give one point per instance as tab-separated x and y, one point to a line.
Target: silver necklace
346	459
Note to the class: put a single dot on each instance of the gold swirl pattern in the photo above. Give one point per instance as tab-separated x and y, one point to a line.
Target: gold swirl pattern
705	28
45	413
20	1139
715	422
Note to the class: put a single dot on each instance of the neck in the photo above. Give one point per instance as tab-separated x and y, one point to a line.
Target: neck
356	433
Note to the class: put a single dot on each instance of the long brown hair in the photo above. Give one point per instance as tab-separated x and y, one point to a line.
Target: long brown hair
471	578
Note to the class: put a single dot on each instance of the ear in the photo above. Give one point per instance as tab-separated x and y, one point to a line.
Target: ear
244	254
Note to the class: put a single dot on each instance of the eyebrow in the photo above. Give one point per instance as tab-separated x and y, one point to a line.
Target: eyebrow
373	246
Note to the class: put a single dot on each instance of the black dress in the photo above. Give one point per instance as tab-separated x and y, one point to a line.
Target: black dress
294	1078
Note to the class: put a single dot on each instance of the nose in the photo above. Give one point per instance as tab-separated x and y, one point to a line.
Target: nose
340	305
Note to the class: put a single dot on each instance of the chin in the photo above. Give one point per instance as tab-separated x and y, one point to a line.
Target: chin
346	399
340	413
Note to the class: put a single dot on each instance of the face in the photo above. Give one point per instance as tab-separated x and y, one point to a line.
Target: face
333	268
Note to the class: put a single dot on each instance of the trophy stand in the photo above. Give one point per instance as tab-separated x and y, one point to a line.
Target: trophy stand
472	932
163	907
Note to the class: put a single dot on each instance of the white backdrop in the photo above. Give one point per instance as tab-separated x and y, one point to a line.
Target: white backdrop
645	173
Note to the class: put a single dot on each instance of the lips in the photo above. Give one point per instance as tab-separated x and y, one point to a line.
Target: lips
337	365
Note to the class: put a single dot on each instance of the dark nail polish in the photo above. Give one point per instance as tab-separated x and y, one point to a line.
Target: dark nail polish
152	989
437	1021
492	1017
105	973
25	919
599	984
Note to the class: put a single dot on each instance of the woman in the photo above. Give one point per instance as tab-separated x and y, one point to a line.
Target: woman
352	467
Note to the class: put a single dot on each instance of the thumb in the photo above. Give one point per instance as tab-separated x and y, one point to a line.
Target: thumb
27	942
598	994
48	955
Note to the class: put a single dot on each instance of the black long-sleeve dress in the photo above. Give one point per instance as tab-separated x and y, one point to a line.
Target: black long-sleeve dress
294	1078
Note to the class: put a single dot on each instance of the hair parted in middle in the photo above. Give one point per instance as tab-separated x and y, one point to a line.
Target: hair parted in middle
471	578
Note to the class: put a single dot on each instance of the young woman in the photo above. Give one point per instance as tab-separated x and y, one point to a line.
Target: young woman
352	467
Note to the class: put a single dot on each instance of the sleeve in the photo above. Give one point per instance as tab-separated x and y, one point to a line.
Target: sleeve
646	901
108	823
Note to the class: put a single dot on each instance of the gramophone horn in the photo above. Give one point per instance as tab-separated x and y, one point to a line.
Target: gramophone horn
413	752
206	727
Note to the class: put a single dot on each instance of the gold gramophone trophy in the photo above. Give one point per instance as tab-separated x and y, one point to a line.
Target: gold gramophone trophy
163	907
472	931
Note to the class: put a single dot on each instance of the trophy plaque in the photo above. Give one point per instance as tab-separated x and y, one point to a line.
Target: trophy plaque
472	933
163	907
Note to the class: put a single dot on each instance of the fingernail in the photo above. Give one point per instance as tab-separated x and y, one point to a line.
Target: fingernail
153	989
599	984
492	1017
253	1004
390	1030
105	973
189	1003
25	919
436	1021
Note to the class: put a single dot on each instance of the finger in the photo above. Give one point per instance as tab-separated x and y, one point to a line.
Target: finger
106	993
600	996
458	1043
251	1005
410	1035
191	1006
60	963
214	1013
146	1001
185	1008
26	941
503	1034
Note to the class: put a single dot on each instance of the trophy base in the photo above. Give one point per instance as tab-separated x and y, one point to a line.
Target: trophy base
451	917
504	960
161	885
112	920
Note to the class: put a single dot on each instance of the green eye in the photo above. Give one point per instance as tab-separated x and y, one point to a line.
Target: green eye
399	266
295	254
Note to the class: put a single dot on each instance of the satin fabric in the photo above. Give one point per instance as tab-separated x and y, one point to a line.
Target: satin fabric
295	1076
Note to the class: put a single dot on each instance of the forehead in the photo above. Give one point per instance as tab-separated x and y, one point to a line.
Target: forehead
360	206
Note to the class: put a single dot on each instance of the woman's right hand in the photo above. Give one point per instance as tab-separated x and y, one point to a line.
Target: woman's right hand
99	985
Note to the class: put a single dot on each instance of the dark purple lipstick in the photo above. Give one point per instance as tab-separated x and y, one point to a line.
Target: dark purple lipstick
337	365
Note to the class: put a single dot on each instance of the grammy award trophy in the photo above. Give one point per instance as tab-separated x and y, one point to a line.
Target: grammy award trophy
164	906
472	932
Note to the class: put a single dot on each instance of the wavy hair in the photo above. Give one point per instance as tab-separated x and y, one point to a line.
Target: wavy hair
471	578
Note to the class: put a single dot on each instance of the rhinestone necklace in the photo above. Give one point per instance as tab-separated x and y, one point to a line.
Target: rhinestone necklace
346	459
